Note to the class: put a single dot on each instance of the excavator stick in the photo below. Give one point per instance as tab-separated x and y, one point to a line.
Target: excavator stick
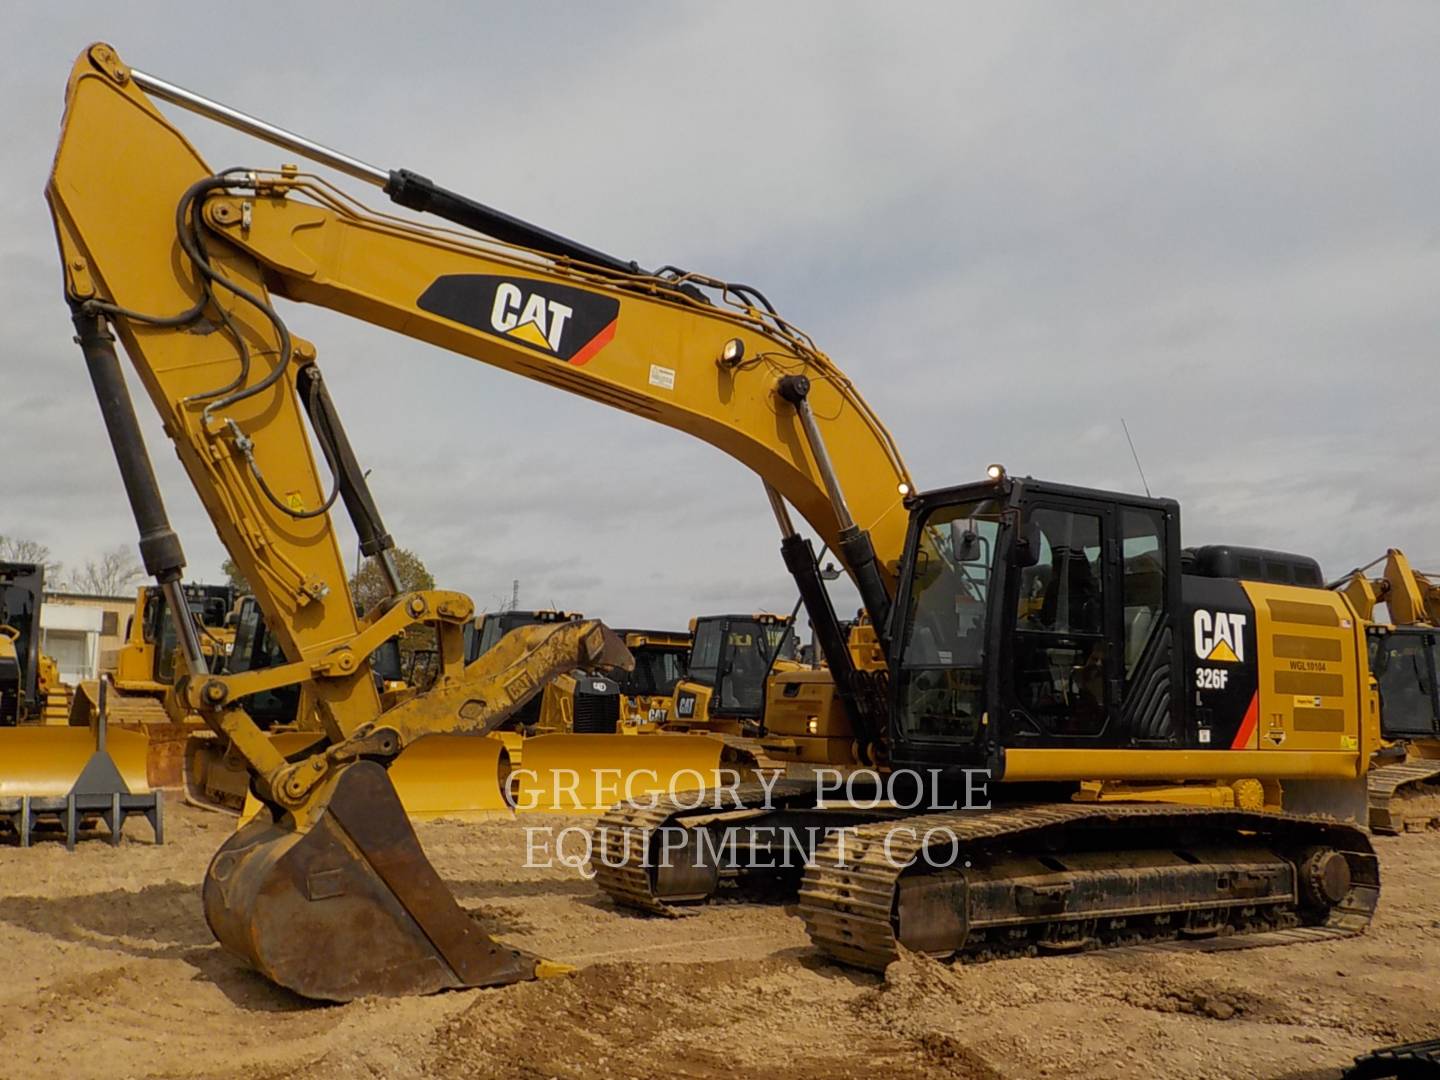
349	906
588	774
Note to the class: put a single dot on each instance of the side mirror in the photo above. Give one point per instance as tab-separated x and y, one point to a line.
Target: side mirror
1027	544
964	542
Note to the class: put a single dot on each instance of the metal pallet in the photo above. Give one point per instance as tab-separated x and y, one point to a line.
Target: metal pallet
98	792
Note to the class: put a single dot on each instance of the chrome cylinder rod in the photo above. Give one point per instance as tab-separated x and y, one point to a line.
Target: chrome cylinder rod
186	633
782	512
250	125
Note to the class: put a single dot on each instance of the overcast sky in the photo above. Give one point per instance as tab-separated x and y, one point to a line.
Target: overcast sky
1010	224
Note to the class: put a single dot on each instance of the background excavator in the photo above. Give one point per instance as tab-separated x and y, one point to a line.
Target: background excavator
1404	784
1048	634
577	702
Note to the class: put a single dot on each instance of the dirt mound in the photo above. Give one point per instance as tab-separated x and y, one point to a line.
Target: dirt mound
113	973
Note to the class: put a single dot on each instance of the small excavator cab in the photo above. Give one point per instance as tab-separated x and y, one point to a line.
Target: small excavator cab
256	649
1404	661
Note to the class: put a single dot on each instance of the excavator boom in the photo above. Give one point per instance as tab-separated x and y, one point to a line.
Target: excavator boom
180	264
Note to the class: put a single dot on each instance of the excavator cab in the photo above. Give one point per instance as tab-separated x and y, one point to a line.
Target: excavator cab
209	606
1036	620
256	649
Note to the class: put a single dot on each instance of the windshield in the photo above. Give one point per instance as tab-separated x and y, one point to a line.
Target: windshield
657	670
733	656
942	651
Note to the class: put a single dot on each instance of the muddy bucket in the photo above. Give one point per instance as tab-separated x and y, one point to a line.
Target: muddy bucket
349	907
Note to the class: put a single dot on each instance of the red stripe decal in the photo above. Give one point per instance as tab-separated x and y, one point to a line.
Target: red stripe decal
1246	733
594	345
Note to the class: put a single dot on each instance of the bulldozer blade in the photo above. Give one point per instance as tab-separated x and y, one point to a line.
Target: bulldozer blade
145	714
587	774
453	776
438	776
45	761
349	907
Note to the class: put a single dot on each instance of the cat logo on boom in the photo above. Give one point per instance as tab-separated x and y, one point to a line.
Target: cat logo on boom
1220	636
561	321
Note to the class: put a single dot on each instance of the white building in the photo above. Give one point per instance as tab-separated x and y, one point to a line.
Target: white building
71	634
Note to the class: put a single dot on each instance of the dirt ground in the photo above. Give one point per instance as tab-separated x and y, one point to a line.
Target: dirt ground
111	972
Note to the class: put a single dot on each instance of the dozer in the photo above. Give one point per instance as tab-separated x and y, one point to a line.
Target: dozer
647	693
30	688
731	659
1404	783
145	672
42	759
1045	634
576	702
21	594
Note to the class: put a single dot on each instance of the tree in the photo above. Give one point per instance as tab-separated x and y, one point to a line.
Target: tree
369	588
233	577
109	575
17	549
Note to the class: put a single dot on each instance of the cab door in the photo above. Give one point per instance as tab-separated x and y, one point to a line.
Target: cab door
1064	680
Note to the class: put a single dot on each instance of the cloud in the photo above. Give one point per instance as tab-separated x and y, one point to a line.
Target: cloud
1012	226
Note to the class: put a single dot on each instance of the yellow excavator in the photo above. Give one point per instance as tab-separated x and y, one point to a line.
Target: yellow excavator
1404	781
576	702
1049	635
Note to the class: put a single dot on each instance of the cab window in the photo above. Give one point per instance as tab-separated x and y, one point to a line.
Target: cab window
1060	646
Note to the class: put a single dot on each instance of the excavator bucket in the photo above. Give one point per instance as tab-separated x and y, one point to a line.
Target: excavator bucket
349	906
585	774
45	761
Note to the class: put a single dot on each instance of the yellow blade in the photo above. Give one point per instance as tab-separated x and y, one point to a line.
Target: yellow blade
46	761
453	776
450	776
587	774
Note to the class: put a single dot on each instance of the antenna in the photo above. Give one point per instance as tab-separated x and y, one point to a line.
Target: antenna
1136	456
